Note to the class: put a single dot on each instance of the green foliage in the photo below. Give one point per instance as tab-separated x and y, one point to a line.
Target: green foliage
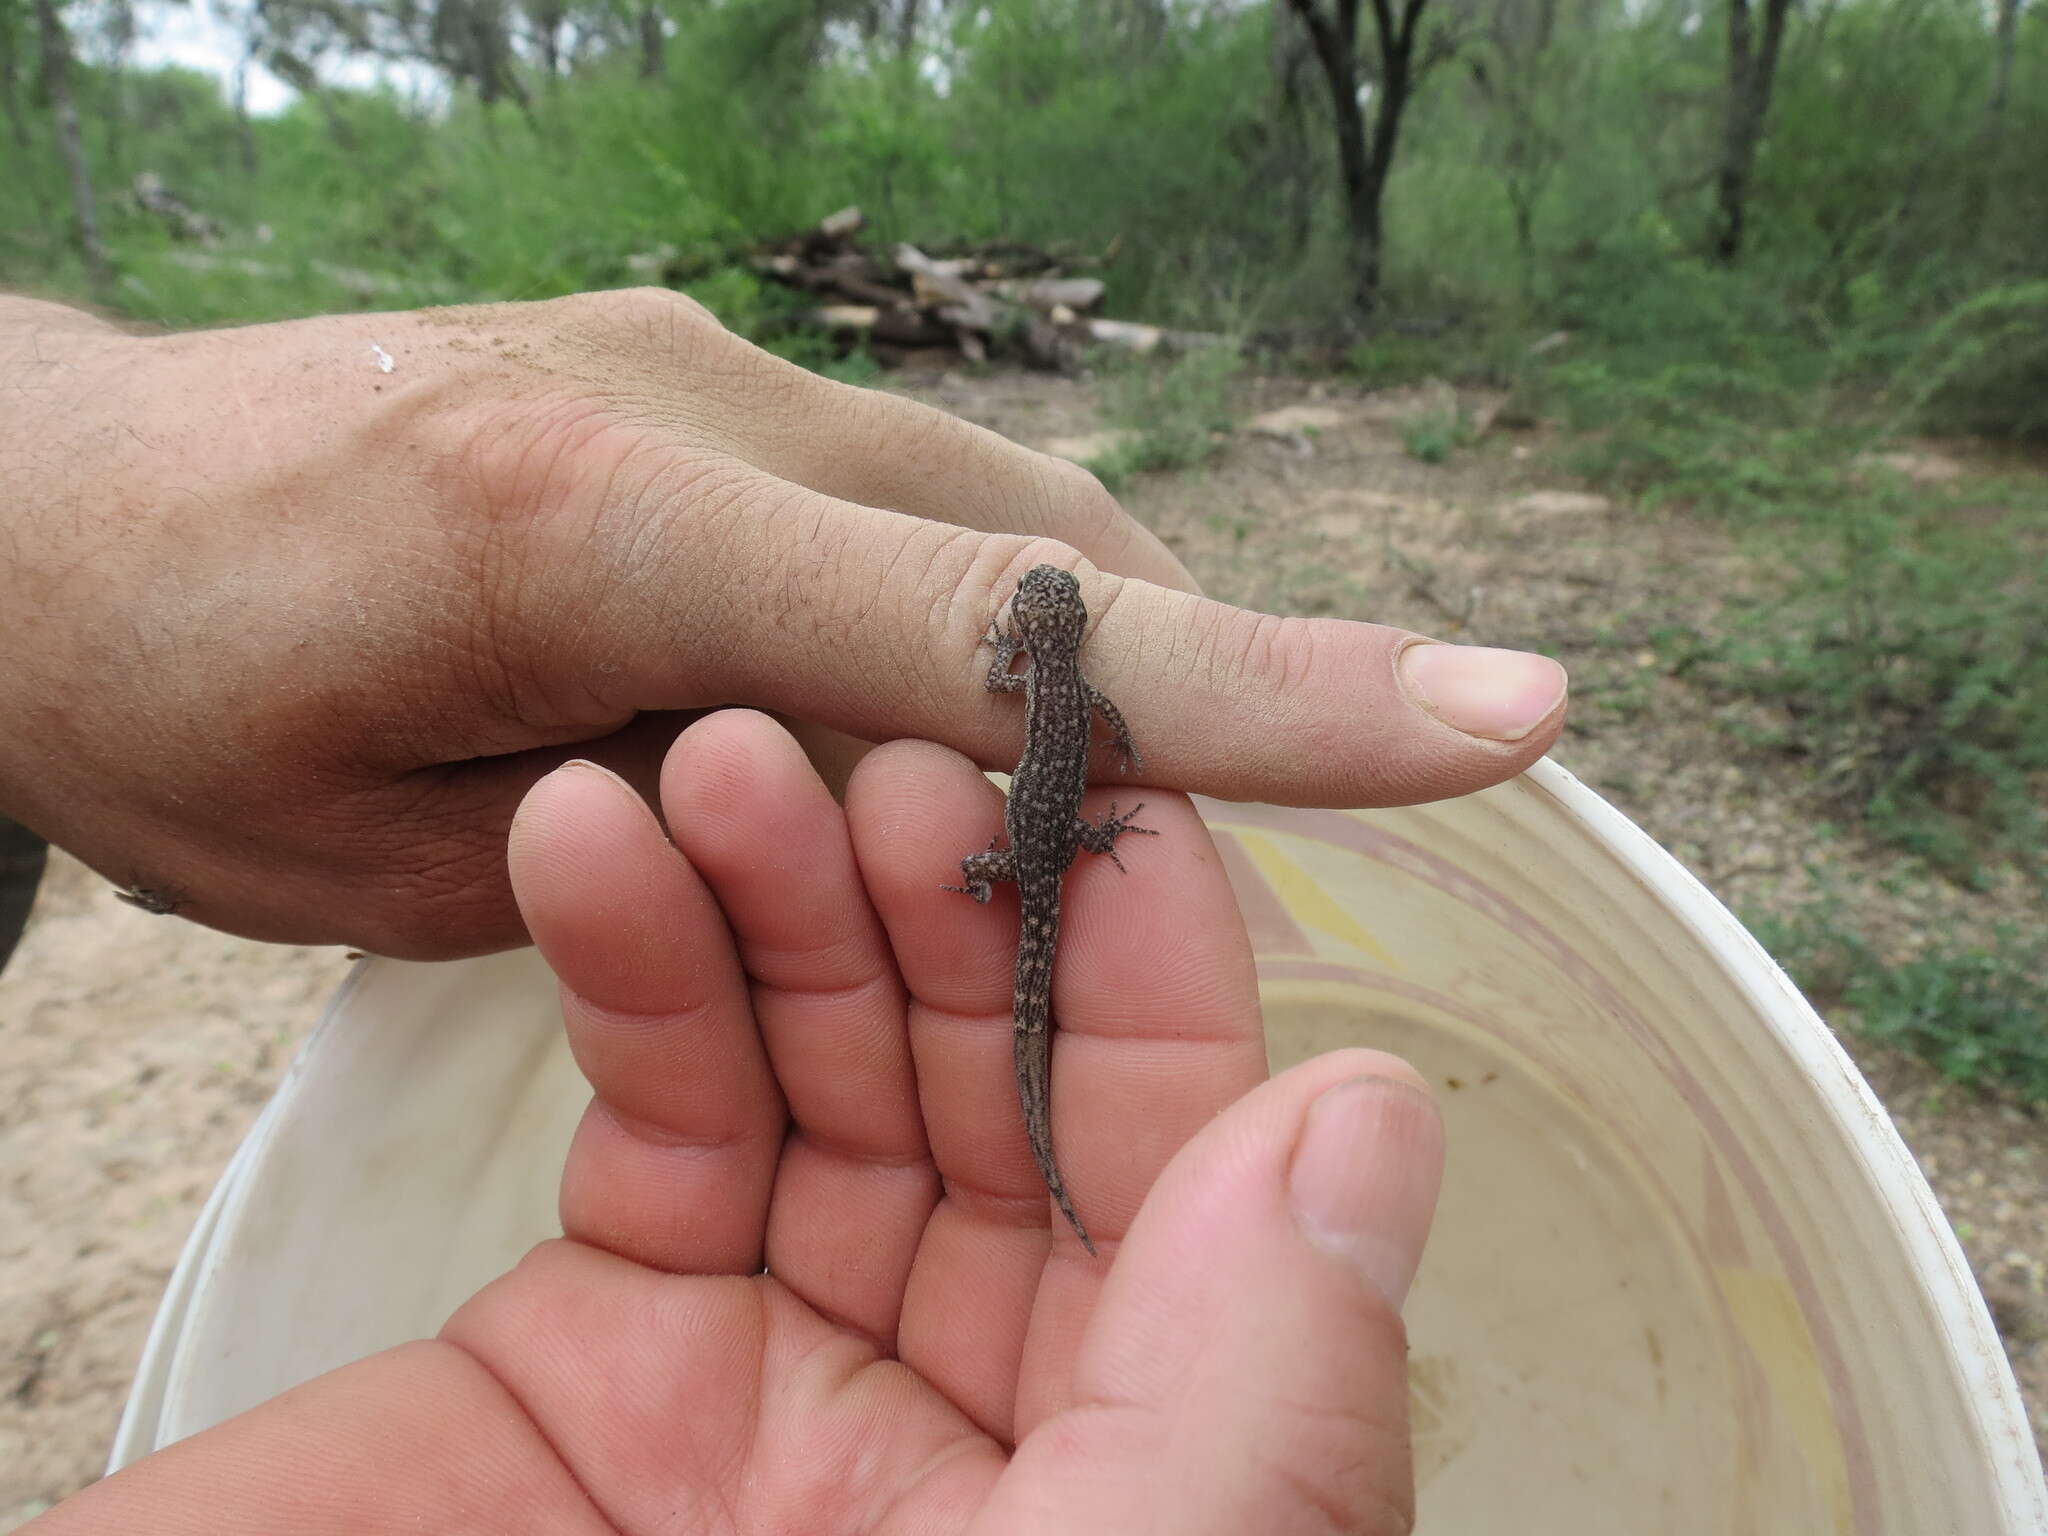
1905	639
1701	434
1977	1011
1553	174
1173	415
1476	354
1430	433
739	298
1390	359
1900	631
1983	366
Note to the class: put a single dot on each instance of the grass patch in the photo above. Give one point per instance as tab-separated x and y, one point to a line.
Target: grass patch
1899	631
1977	1012
1431	433
1903	637
1174	415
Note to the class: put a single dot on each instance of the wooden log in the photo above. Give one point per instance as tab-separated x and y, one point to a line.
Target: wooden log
1046	294
924	359
911	259
898	325
1046	346
844	224
845	317
861	288
905	325
1141	339
954	299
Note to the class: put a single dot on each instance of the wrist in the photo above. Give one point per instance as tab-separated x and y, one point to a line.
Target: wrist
60	374
28	325
54	362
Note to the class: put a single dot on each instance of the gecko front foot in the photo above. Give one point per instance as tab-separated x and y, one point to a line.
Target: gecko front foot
1101	837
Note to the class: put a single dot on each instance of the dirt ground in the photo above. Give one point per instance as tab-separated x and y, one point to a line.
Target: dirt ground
135	1050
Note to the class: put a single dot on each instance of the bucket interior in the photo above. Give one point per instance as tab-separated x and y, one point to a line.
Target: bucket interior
1684	1277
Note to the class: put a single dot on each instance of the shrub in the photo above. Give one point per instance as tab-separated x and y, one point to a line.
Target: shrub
1173	414
1431	433
1984	366
1977	1011
1904	637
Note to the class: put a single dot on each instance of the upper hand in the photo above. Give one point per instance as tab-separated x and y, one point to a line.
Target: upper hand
289	636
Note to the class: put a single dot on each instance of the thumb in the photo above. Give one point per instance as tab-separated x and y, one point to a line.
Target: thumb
1246	1368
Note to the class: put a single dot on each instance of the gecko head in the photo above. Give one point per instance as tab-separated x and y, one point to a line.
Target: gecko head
1047	609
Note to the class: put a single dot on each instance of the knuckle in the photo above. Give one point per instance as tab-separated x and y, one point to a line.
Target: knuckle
649	316
652	303
431	875
1279	650
1078	501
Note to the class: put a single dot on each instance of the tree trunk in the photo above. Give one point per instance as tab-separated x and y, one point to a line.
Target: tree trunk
1510	81
653	44
1396	85
2007	36
1991	134
1363	162
1522	195
1752	70
57	83
548	33
10	83
1295	167
245	131
1335	40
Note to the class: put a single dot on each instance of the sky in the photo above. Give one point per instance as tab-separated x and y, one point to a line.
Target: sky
194	36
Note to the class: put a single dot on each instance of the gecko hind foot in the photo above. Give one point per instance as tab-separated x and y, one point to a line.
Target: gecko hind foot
983	870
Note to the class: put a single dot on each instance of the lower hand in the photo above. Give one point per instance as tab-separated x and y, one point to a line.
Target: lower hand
810	1279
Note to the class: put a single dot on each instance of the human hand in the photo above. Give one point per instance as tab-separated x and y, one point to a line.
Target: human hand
290	635
800	1050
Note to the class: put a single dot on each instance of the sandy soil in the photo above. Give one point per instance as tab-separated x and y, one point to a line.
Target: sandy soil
134	1050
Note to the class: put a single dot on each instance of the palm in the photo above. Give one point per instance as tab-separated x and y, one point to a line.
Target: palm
711	1404
825	1089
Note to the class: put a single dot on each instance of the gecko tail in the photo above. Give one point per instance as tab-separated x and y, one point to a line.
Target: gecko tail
1034	1089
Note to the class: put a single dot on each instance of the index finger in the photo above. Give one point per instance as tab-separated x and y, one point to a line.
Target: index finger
871	622
735	530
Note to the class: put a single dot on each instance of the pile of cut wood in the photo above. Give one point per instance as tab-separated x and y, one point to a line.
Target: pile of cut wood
905	306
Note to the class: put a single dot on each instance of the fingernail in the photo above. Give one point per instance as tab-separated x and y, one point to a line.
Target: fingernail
1364	1178
583	765
1482	691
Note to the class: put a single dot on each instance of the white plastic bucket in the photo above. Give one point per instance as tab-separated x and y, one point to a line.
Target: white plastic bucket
1685	1278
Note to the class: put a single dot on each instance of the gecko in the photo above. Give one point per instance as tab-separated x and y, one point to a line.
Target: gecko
1043	821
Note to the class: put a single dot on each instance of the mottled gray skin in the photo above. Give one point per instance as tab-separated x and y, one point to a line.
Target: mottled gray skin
1043	819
